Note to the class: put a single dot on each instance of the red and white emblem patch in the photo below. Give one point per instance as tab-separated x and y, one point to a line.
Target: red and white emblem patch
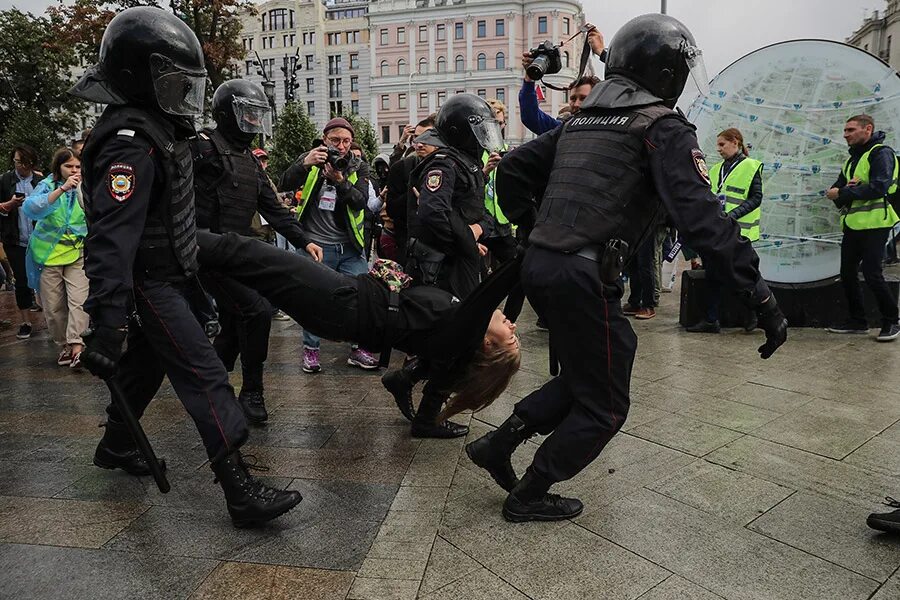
700	164
434	179
120	181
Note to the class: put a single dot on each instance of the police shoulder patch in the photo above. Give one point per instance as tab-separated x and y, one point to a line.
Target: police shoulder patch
120	181
434	179
700	164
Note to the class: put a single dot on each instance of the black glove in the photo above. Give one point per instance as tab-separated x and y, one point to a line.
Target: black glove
102	350
771	320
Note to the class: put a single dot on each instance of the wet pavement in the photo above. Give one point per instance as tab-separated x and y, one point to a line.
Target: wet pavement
733	478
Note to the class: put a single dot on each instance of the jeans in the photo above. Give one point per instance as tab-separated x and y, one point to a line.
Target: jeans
343	258
867	247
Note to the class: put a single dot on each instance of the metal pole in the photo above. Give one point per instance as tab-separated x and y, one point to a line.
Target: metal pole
662	6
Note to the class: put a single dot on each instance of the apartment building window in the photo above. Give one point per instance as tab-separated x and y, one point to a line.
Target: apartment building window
354	84
354	107
248	44
287	41
401	67
460	63
333	39
263	19
441	64
265	43
309	38
249	65
385	134
566	26
441	97
384	37
500	94
460	91
401	35
458	32
565	59
423	99
481	62
501	60
542	24
311	108
500	28
482	29
310	62
385	102
401	101
310	85
353	37
423	33
354	61
334	64
271	41
278	19
337	108
888	48
482	93
384	68
334	88
423	65
441	32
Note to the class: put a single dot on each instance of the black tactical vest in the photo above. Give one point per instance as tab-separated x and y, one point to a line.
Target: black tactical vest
231	205
600	187
468	192
168	245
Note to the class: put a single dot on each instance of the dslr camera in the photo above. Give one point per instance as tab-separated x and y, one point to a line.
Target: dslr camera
547	61
337	161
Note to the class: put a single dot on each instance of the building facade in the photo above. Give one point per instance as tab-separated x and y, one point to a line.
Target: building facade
876	34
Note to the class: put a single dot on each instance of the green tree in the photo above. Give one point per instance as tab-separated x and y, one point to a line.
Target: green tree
31	127
364	135
294	135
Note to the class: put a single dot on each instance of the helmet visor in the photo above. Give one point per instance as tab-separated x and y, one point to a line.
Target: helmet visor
693	56
487	133
178	91
252	115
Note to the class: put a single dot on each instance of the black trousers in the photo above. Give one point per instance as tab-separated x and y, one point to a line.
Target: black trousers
169	341
246	320
24	294
503	249
866	246
642	276
584	407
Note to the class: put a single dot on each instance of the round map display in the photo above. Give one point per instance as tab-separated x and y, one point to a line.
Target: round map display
791	100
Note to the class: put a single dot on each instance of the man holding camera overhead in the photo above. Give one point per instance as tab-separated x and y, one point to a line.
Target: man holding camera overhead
334	188
533	117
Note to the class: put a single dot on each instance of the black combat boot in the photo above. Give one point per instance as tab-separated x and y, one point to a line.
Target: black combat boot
890	521
492	452
250	502
254	406
529	501
117	450
400	384
425	424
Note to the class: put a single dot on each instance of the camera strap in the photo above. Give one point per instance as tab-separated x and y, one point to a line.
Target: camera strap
585	57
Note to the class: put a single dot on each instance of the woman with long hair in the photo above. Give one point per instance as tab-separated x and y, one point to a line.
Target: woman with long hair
470	348
55	255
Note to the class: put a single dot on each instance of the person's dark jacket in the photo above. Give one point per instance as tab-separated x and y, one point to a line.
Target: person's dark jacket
398	198
881	173
9	223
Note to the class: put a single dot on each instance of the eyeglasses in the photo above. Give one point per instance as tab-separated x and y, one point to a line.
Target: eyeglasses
339	141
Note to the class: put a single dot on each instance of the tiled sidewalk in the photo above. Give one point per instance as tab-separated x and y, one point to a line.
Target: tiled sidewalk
733	478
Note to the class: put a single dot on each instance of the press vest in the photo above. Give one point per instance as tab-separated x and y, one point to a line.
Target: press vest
868	214
65	226
168	246
491	200
735	188
231	205
599	188
355	218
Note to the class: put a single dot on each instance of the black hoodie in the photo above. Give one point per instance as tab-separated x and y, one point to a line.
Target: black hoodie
881	173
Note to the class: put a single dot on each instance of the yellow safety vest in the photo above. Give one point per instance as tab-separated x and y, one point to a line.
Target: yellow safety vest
355	218
868	214
491	203
735	188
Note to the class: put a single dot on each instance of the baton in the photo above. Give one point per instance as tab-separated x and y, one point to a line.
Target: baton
137	432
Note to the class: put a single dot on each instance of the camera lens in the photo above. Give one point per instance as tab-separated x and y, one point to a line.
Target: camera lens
537	68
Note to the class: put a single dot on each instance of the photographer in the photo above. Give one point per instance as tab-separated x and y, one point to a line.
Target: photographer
536	120
335	189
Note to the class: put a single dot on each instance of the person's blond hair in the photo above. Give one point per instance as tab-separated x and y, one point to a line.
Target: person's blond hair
497	106
486	377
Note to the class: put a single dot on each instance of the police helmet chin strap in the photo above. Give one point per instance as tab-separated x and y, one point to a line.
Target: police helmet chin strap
585	58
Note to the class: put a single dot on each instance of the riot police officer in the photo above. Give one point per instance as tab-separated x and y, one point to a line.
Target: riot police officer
608	176
141	251
230	187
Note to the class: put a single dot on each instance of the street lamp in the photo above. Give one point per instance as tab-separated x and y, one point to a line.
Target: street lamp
290	75
412	108
662	6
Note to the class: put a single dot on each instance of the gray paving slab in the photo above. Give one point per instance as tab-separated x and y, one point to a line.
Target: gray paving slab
719	556
41	572
30	478
447	564
685	434
890	590
730	415
480	585
677	588
732	495
880	454
766	397
832	530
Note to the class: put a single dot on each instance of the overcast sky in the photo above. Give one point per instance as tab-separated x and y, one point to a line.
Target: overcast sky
724	30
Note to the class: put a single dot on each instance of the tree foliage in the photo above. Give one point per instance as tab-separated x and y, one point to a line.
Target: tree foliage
364	135
294	135
31	127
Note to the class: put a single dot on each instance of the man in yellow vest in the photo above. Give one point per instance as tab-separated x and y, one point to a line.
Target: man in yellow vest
334	191
861	193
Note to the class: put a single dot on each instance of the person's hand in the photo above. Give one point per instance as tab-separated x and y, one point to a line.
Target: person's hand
594	38
316	157
71	183
315	251
771	320
482	249
476	230
408	131
526	60
333	174
832	194
102	350
854	181
492	163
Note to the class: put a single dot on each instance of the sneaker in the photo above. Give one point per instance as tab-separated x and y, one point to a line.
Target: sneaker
362	359
848	327
65	357
36	308
76	362
629	311
10	286
311	360
645	313
24	331
279	315
890	521
704	327
889	333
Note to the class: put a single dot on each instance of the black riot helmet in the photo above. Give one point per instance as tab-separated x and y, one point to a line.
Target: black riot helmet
148	58
465	122
241	110
658	53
